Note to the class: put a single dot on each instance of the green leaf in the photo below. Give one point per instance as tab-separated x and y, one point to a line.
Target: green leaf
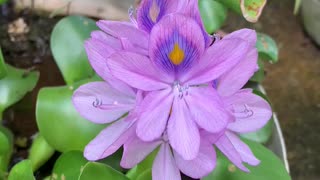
3	68
232	4
259	75
58	121
68	166
114	160
6	149
252	9
15	85
267	48
3	1
213	14
146	175
67	46
297	6
98	171
40	152
22	170
269	168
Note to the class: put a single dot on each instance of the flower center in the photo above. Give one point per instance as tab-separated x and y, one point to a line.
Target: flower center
180	90
176	56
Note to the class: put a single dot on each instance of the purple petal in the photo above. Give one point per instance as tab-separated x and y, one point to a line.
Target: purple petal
100	103
243	150
176	43
107	39
182	131
227	148
98	52
237	77
125	30
207	109
110	140
150	12
135	151
202	165
251	112
164	166
137	71
154	114
245	34
218	59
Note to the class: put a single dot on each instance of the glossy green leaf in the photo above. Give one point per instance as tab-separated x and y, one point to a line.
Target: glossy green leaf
270	168
15	85
99	171
267	48
252	9
146	175
67	46
114	160
58	121
259	75
6	149
22	170
3	68
68	166
213	14
40	152
232	4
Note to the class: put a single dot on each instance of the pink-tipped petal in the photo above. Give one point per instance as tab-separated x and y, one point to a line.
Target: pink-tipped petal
227	148
135	150
251	111
237	77
154	113
137	71
243	149
101	103
207	109
110	140
164	166
218	59
249	35
125	30
183	133
202	165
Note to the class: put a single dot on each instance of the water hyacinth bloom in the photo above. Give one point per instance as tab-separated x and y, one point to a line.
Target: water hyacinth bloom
159	92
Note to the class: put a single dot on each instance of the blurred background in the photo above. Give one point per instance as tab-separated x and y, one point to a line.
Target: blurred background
293	84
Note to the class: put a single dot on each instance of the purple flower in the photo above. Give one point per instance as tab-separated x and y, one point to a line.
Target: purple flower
159	71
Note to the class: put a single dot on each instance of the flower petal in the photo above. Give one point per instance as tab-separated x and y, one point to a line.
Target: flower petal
136	150
176	43
207	109
227	148
251	112
125	30
243	149
164	166
109	140
218	59
249	35
137	71
100	103
150	12
182	131
154	113
202	165
237	77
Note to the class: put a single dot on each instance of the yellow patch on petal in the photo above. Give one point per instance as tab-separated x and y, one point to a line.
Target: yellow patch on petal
176	56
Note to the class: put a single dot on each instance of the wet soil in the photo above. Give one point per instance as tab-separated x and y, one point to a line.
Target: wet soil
292	84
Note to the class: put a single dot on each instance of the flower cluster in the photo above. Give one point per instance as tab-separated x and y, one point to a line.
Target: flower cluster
170	85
